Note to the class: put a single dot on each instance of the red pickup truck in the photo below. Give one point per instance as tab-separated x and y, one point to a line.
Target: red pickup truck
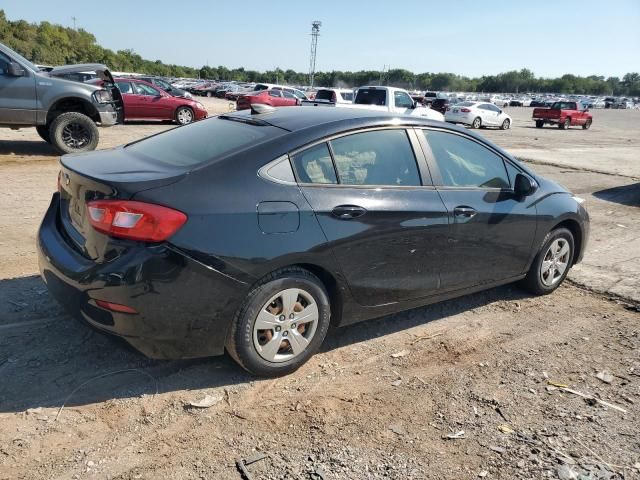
563	114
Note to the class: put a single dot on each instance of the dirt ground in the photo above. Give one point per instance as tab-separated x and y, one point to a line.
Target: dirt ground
464	389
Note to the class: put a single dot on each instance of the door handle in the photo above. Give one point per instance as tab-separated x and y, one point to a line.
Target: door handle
347	212
466	212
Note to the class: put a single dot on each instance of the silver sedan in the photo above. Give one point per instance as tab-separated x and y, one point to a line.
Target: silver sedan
477	115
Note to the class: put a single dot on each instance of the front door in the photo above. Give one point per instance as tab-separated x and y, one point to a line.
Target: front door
402	103
491	229
17	96
387	231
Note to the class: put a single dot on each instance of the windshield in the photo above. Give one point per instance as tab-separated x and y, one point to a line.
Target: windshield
21	59
202	142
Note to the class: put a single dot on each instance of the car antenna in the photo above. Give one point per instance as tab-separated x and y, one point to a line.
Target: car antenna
258	108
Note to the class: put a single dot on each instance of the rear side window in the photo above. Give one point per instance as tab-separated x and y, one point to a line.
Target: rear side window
465	163
380	157
144	89
314	165
202	142
275	93
124	87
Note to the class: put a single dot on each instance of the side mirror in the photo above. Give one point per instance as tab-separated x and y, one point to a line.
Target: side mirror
15	70
524	186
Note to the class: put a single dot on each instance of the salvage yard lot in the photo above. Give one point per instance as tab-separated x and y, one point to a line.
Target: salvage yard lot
384	397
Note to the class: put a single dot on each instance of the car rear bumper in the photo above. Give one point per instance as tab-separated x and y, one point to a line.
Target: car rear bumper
184	308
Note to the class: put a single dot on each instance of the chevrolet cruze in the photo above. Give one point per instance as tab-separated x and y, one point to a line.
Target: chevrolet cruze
252	232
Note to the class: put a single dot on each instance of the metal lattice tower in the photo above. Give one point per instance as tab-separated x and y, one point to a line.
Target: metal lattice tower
315	33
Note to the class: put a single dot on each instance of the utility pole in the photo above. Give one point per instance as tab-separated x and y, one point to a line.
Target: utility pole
385	68
74	22
315	33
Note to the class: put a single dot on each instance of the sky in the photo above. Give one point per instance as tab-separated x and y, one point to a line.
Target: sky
467	37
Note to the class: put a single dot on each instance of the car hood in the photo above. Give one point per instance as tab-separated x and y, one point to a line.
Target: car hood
102	70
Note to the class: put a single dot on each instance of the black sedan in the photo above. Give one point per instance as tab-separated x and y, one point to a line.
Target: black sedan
253	232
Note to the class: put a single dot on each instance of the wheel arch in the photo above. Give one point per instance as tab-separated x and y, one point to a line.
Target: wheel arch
72	104
574	227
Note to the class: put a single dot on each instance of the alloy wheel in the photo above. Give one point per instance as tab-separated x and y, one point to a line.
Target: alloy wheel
75	135
555	262
285	325
185	116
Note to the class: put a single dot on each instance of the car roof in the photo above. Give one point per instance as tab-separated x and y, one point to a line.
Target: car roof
299	118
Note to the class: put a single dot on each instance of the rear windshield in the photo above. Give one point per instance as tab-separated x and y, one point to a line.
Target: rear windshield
324	95
259	87
465	104
367	96
202	141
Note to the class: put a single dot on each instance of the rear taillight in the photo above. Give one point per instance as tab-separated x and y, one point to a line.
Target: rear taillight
146	222
59	180
465	110
333	97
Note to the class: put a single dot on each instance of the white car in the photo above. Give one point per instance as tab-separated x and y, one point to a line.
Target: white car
478	114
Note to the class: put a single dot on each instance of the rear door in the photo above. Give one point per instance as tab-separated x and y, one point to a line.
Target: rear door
17	95
491	229
383	219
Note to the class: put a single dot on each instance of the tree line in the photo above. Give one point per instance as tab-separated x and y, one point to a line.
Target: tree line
50	44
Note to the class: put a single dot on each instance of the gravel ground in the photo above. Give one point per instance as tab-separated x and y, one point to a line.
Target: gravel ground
493	385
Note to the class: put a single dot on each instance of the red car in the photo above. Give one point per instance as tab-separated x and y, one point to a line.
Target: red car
564	115
274	97
143	101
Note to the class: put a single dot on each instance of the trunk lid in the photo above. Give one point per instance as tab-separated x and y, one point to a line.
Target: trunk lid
104	174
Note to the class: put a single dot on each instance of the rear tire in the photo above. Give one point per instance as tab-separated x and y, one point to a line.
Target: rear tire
477	122
253	348
74	132
565	125
587	124
43	131
209	94
539	279
539	123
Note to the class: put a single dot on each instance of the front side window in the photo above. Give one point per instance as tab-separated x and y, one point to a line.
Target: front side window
348	96
402	100
314	165
288	95
380	157
465	163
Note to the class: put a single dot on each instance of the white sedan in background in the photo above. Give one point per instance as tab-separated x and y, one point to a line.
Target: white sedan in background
478	114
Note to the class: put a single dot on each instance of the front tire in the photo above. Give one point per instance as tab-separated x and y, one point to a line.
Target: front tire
184	116
539	123
587	124
74	132
552	263
477	123
506	124
282	323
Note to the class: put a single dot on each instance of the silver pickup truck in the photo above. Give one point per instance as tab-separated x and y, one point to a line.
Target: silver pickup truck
65	112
